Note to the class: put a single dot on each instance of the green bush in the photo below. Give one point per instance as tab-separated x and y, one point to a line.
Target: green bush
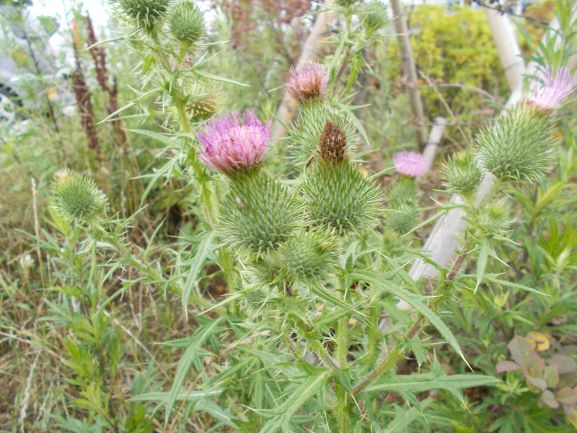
455	49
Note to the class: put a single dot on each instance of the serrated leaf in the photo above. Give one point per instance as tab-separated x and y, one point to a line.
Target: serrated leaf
283	413
204	249
411	299
416	383
201	335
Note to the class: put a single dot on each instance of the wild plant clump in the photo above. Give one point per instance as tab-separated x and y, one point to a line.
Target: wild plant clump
273	281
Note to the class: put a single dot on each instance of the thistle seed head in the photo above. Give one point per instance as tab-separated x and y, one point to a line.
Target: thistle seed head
333	143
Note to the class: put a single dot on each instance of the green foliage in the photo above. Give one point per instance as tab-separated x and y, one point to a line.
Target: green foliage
455	50
268	321
519	146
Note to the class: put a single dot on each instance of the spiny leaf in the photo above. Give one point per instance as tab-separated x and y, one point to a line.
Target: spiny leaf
379	281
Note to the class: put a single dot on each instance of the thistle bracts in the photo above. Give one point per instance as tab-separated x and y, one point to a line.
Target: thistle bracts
461	174
305	133
202	100
258	214
519	146
310	257
186	22
374	15
338	198
146	15
76	198
308	82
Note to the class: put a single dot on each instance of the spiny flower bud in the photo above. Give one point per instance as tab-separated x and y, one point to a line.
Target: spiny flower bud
338	198
555	87
346	3
490	222
203	101
310	257
186	22
305	133
308	82
258	213
410	163
402	192
77	198
333	143
235	142
145	14
374	15
403	218
461	174
519	146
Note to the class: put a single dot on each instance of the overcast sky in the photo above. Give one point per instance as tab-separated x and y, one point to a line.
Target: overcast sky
98	9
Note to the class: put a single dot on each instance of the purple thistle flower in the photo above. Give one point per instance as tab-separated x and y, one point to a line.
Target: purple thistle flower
556	86
308	82
410	163
234	142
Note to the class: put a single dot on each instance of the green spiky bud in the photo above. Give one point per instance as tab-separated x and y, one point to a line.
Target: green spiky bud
491	222
258	213
145	14
306	130
461	174
186	22
346	3
519	146
402	192
339	198
203	101
76	198
403	219
374	15
310	257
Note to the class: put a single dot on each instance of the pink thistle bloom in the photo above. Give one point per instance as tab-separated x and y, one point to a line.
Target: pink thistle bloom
410	163
234	142
308	82
556	86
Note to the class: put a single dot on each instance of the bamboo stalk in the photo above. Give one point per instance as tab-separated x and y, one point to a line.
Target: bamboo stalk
309	51
435	137
410	70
